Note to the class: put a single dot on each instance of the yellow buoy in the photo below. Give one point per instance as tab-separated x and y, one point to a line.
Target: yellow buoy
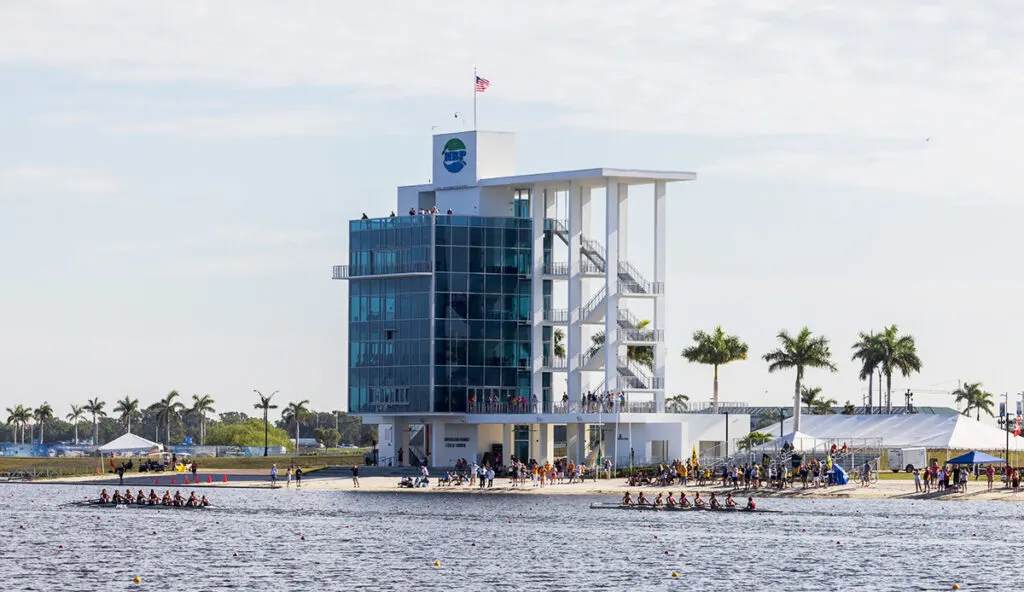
437	564
675	574
136	579
956	586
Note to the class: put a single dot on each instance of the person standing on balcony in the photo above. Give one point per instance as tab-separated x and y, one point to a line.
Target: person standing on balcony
400	453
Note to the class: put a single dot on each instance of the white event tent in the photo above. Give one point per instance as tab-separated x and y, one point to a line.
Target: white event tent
948	432
130	443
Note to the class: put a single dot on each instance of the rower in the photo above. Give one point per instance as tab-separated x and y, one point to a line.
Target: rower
697	501
713	502
178	500
670	501
683	502
153	499
193	501
658	501
750	504
141	498
729	502
205	502
627	500
167	498
128	497
116	498
641	500
104	497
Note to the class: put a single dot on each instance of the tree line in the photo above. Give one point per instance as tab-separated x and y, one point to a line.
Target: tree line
885	352
169	421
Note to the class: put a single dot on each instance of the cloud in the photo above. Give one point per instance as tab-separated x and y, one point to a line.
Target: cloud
268	124
866	70
46	178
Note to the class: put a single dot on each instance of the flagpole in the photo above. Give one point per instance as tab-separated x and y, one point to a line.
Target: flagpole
474	97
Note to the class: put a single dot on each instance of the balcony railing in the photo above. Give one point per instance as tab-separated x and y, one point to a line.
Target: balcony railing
340	272
555	363
555	268
640	335
556	315
398	268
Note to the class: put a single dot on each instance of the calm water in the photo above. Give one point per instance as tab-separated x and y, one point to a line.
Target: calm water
389	541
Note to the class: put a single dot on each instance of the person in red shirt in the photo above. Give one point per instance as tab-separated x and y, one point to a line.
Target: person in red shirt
990	473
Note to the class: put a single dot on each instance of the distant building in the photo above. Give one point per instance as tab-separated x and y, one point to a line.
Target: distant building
460	299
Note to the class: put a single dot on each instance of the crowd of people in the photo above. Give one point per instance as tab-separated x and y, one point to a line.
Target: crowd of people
141	499
954	478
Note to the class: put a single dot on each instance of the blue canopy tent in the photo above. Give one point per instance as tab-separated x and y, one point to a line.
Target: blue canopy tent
976	458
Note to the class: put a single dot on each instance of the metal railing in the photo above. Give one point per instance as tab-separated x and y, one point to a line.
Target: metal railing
640	335
555	268
396	268
590	268
340	272
595	301
555	363
594	251
556	315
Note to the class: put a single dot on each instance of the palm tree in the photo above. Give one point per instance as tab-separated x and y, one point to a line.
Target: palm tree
824	407
898	352
76	415
849	409
715	349
201	406
680	400
558	345
265	405
975	398
752	439
641	354
296	412
800	352
42	414
94	407
167	410
127	408
810	396
887	352
19	417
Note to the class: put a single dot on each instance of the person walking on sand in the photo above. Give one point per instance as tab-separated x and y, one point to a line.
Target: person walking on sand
355	476
288	476
273	475
298	476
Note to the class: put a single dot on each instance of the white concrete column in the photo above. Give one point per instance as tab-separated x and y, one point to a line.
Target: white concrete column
387	438
659	321
545	443
506	443
611	278
574	336
438	453
623	222
402	439
538	205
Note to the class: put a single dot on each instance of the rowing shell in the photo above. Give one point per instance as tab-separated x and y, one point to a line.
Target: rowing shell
604	506
99	504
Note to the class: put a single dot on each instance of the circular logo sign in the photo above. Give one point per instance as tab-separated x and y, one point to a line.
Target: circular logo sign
453	155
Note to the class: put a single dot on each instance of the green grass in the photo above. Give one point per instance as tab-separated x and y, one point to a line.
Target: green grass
85	466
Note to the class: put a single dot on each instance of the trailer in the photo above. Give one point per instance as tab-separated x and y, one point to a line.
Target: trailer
907	459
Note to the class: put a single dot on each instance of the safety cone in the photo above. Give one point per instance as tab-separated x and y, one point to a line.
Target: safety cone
97	470
186	480
209	479
225	478
156	481
172	479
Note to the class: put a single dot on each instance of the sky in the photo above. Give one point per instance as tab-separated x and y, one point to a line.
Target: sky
176	178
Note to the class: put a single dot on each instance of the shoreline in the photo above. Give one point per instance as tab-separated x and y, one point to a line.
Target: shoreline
886	489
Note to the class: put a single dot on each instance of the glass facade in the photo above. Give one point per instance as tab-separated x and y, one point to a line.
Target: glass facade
442	297
482	311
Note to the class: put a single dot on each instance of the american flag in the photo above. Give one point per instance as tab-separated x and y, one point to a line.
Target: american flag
482	84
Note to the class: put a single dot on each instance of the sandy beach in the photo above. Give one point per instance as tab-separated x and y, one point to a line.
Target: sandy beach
884	489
